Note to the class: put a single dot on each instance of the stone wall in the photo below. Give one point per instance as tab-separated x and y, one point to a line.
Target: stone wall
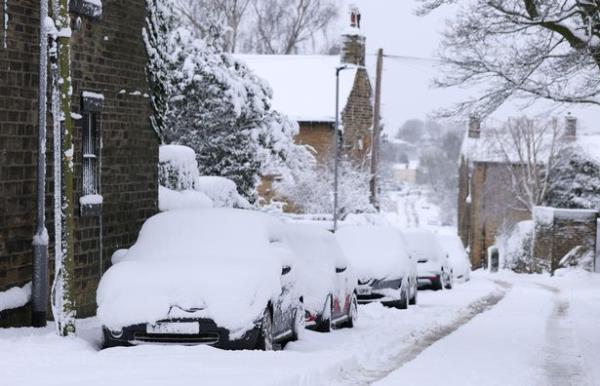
319	136
108	57
559	231
357	118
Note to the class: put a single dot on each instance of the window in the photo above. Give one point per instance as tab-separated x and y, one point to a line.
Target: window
91	139
91	154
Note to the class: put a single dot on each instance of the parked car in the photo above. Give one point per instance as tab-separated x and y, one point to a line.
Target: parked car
459	259
386	272
433	264
221	277
327	281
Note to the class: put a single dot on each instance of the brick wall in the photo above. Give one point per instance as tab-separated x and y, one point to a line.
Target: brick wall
108	57
559	231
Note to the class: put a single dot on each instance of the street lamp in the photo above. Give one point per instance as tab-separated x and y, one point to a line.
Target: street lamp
336	146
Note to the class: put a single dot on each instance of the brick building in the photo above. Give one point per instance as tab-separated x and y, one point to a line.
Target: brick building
119	169
487	204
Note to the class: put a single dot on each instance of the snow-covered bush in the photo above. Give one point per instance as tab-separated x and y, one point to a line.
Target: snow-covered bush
222	192
177	167
217	106
187	199
516	249
312	192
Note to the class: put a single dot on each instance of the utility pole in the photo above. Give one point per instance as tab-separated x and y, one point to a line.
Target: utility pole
376	131
39	293
64	288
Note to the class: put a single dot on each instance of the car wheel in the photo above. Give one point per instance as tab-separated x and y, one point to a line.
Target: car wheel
413	300
403	302
299	322
437	284
449	281
352	313
324	322
265	336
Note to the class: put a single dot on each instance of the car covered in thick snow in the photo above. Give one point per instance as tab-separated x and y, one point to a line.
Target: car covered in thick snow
386	272
326	278
459	259
221	277
433	264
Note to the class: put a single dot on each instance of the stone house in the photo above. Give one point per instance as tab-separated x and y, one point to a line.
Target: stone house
304	89
116	150
486	203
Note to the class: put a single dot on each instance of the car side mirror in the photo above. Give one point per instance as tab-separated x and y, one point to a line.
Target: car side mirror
340	270
285	270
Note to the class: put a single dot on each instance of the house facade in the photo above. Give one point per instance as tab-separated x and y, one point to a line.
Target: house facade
116	150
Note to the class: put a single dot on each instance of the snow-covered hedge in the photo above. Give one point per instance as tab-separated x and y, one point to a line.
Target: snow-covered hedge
516	249
222	191
178	168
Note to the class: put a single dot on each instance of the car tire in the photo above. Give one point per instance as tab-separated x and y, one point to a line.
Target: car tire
299	322
403	302
352	312
437	284
413	300
324	322
449	282
266	333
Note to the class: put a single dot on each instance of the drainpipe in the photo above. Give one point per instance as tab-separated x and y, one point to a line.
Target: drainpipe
336	146
39	295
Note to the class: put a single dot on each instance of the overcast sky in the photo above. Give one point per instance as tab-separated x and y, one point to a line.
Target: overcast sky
393	26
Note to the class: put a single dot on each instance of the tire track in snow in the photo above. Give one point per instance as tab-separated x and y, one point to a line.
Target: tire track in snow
365	376
563	358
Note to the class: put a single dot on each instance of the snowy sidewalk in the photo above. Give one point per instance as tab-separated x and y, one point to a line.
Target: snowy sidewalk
530	338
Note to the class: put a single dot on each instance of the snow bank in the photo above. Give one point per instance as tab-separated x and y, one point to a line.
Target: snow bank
225	262
375	252
15	297
222	191
318	256
189	199
178	168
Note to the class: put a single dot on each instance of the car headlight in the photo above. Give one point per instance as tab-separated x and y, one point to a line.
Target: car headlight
116	333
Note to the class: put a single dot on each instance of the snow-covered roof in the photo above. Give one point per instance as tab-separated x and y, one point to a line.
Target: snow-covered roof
303	85
488	148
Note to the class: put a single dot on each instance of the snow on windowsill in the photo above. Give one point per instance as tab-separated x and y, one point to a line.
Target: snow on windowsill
91	199
15	297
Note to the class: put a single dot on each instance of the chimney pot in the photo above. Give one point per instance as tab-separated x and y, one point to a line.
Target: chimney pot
353	42
474	126
571	127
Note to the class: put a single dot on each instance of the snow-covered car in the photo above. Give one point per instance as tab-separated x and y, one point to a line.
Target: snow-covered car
326	278
459	259
386	272
221	277
433	264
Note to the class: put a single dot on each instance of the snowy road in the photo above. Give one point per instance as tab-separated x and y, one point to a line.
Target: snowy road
505	330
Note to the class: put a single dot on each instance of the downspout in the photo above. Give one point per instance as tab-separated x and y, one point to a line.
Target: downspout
39	294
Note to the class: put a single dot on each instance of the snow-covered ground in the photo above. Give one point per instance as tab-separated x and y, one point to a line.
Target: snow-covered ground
502	329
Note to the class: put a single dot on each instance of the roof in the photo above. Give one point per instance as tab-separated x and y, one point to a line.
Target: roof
303	85
487	148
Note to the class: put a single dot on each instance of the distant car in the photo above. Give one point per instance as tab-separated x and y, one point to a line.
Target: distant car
459	259
220	277
326	278
386	272
433	264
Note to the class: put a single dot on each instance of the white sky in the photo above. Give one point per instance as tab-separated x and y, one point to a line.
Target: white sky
393	26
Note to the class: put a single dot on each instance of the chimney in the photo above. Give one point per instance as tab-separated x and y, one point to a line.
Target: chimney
353	41
474	126
570	127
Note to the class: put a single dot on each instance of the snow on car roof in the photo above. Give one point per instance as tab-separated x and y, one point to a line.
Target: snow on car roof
374	252
303	85
205	234
422	243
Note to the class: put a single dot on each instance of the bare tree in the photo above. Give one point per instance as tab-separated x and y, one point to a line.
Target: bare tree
525	48
261	26
281	26
530	151
230	13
